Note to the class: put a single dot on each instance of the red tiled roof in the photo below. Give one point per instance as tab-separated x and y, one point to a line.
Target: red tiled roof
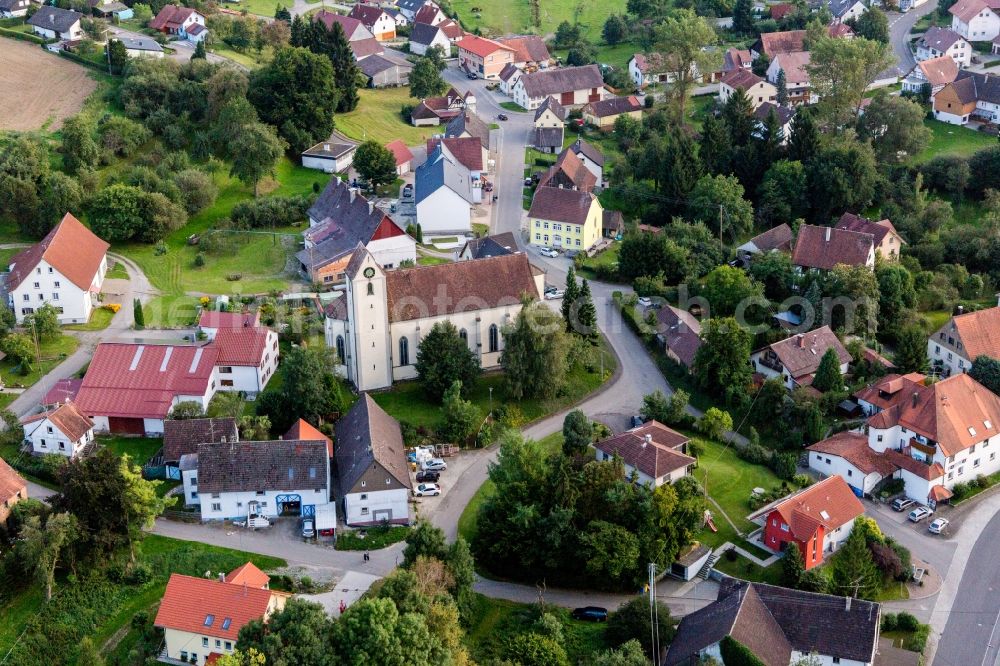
966	10
978	332
141	381
529	48
468	150
367	14
891	389
70	248
681	333
214	319
939	493
802	353
742	79
451	28
426	14
879	230
776	238
68	418
652	448
830	503
853	447
481	46
399	151
248	574
64	390
202	606
781	10
568	171
241	346
362	48
170	17
939	71
328	18
11	482
825	247
304	431
915	467
613	106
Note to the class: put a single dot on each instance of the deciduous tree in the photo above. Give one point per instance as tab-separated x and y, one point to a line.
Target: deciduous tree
682	38
426	80
297	634
443	358
721	361
714	423
895	127
840	71
375	163
41	548
255	151
718	200
726	287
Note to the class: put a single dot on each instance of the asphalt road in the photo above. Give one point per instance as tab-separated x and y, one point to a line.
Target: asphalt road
899	29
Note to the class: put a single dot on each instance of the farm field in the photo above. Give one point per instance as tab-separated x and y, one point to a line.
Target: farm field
498	19
49	88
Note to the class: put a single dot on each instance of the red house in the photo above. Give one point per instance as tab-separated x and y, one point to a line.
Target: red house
818	518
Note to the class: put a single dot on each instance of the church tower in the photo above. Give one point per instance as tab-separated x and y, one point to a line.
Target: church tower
368	336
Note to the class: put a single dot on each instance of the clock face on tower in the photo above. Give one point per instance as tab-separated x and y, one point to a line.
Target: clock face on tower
369	272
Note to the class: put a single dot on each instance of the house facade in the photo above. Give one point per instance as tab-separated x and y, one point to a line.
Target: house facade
976	20
203	616
377	331
604	113
376	19
847	455
757	90
953	347
64	431
570	86
443	193
483	57
934	73
795	360
14	9
371	462
795	66
888	242
424	36
566	219
938	42
65	269
330	156
647	68
183	22
818	519
591	157
971	96
655	453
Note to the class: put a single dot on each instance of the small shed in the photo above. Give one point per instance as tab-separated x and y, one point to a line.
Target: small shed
690	561
329	156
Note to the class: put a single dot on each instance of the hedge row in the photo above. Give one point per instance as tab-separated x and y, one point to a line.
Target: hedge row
83	61
23	36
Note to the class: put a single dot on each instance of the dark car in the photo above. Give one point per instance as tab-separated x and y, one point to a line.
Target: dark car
590	614
502	116
429	476
472	75
636	421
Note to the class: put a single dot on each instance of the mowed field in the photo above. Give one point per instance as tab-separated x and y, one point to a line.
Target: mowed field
40	89
514	16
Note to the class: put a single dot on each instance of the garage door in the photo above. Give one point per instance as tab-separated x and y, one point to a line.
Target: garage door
122	426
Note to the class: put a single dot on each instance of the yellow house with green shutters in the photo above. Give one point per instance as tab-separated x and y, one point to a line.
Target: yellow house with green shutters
565	218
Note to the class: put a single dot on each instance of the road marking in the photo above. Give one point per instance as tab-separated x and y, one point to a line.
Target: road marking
989	644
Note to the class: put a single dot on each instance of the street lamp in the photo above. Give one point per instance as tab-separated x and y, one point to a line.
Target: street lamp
491	401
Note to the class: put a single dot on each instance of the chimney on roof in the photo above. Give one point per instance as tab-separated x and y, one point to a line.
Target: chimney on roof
828	231
223	439
222	577
648	439
326	147
354	192
371	207
916	398
848	606
802	341
960	309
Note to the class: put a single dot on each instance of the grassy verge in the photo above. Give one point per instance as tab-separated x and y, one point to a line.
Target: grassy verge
467	521
50	353
377	117
117	272
407	401
7	254
99	320
432	261
375	538
512	106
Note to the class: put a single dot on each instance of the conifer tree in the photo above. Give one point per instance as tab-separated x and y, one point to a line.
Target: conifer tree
569	299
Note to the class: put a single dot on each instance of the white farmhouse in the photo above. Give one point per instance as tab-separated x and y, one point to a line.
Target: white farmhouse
848	456
654	452
571	86
953	347
281	476
976	20
210	322
371	465
64	430
377	325
942	41
248	358
66	270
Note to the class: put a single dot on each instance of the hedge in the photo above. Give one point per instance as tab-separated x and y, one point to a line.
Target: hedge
23	36
84	61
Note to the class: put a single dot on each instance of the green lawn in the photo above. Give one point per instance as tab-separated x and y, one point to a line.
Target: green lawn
51	353
747	570
432	261
248	59
467	521
117	272
953	140
171	312
377	117
375	538
408	402
513	106
515	17
99	320
6	255
258	258
139	449
616	56
607	258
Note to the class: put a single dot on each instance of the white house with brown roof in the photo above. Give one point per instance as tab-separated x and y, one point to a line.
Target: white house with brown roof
795	360
529	51
847	455
203	616
565	218
570	86
976	20
935	72
795	66
376	19
65	269
65	431
938	42
758	90
822	248
647	68
679	332
953	347
604	113
383	315
888	242
654	452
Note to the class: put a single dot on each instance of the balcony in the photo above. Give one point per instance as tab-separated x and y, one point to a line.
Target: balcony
772	363
928	449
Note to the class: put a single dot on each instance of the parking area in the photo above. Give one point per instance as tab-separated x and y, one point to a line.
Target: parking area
457	464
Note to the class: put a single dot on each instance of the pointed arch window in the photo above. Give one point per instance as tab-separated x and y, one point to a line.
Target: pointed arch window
371	289
494	338
404	351
340	349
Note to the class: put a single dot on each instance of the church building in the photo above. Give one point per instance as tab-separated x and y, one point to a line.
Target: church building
377	323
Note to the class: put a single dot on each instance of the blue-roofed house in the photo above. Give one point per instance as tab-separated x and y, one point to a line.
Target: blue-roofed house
441	208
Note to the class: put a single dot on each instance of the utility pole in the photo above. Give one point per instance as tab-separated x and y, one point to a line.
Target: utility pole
654	629
721	212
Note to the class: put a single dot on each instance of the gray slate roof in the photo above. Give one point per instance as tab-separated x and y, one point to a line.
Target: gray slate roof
53	18
492	246
429	177
973	86
368	436
252	466
471	123
552	105
547	137
140	43
565	79
581	147
330	148
182	436
423	33
344	223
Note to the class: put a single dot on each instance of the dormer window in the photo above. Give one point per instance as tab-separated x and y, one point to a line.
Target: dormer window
972	431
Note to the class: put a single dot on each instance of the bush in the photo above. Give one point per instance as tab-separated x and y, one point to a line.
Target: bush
893	487
917	641
889	622
802	480
784	465
269	212
755	453
959	491
907	622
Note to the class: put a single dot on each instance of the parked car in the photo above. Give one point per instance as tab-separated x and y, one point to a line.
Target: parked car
645	301
407	190
472	75
411	456
434	465
555	295
427	489
919	514
308	528
428	476
528	182
549	252
590	614
502	116
901	503
636	421
937	525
